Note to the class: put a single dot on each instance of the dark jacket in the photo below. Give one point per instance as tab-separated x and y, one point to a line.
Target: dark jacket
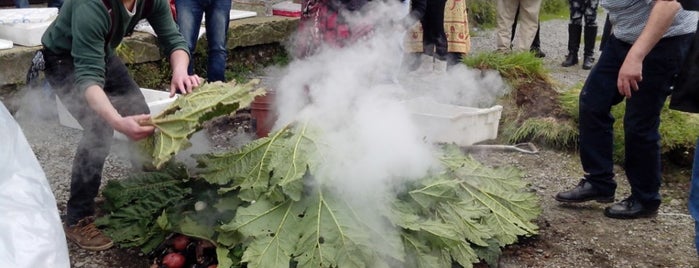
685	92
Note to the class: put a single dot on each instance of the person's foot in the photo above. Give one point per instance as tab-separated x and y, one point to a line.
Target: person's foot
86	235
630	208
588	62
537	52
583	192
571	59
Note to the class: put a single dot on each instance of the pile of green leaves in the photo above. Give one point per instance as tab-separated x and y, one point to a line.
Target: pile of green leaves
265	205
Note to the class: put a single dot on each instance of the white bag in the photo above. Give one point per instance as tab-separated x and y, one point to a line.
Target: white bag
31	233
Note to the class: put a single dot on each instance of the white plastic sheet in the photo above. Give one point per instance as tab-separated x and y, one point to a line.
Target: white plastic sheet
31	233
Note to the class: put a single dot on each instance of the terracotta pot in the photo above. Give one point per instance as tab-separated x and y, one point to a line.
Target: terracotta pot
261	111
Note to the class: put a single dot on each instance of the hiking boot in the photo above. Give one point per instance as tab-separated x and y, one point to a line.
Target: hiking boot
86	235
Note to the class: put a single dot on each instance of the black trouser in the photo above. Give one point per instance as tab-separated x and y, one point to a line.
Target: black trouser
641	117
431	15
96	141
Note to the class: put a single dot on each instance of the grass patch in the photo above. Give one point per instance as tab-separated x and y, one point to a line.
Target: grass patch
511	66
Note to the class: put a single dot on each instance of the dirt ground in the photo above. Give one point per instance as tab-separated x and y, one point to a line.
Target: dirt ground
570	235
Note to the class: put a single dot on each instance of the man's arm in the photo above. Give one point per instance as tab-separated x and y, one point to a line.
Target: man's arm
659	21
129	126
181	80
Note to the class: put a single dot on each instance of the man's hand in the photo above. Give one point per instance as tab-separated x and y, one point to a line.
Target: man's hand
629	76
183	82
134	127
660	19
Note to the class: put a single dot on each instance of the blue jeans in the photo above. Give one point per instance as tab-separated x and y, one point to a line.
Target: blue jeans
21	3
694	197
217	12
641	117
55	3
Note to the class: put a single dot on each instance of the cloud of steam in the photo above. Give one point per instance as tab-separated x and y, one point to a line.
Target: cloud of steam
356	95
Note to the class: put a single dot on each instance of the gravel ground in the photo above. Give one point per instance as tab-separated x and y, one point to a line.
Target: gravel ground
570	236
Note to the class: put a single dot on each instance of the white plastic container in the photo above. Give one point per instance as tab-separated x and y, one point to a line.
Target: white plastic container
445	123
25	26
157	101
5	44
287	9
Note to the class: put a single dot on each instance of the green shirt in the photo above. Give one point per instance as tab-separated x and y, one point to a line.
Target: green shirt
82	27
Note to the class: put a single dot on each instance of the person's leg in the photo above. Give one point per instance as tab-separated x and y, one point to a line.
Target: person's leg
693	202
87	164
189	15
506	10
528	21
514	24
606	32
574	32
217	18
21	3
596	138
590	33
433	29
536	44
642	119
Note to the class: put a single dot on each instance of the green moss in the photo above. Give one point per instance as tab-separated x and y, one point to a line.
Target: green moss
155	75
243	64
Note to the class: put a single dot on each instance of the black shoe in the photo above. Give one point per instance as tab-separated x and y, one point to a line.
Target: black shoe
630	208
588	62
571	59
537	52
584	192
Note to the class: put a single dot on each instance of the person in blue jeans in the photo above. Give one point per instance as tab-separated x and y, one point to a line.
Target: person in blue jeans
217	13
685	97
21	3
694	197
638	64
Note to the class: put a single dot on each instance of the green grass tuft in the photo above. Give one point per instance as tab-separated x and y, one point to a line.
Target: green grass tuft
512	66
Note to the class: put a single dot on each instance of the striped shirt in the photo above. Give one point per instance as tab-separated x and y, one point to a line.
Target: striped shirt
629	17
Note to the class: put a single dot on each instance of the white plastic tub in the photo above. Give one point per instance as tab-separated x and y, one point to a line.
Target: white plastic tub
25	26
445	123
157	101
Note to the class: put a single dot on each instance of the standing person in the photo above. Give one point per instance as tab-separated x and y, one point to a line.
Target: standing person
217	12
579	10
685	97
95	86
648	44
323	22
536	43
456	30
430	13
527	21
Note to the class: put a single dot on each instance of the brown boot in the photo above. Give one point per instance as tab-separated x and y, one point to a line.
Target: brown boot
86	235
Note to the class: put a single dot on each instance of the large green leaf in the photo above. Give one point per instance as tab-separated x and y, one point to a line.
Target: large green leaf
134	203
185	116
320	230
273	166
